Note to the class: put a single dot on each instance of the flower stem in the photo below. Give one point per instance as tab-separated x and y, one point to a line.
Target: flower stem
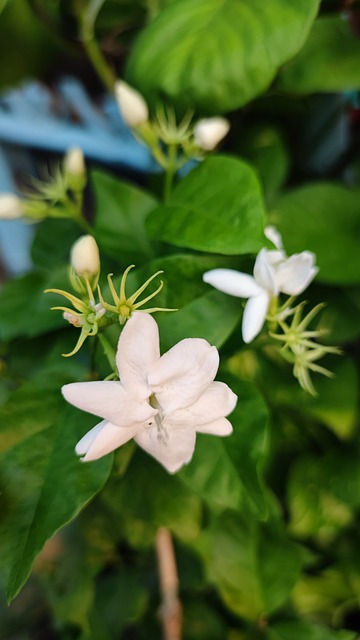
171	609
170	169
109	351
87	22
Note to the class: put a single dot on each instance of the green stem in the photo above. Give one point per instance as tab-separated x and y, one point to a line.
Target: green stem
170	171
93	50
108	351
76	214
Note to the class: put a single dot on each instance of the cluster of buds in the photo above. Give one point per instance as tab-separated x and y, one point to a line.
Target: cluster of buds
87	313
300	344
59	195
276	273
187	139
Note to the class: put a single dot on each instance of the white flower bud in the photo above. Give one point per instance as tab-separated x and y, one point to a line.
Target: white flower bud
10	206
85	258
132	105
274	236
74	162
209	131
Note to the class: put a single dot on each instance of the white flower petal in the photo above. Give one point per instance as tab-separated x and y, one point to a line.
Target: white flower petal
220	427
264	271
86	441
274	236
254	316
296	273
183	373
172	450
101	441
107	399
216	402
232	282
138	351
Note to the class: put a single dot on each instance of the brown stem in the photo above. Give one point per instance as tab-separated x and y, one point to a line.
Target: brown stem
170	608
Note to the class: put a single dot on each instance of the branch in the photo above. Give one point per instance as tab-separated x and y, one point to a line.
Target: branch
170	608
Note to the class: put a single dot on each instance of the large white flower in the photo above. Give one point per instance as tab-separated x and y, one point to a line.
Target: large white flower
161	402
274	273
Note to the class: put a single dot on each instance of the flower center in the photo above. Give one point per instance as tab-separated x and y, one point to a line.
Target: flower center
162	433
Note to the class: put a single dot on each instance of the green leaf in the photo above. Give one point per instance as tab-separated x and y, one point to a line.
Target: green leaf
148	498
319	494
226	472
121	210
193	320
301	629
44	486
254	567
264	147
246	41
48	254
320	217
218	207
329	61
25	309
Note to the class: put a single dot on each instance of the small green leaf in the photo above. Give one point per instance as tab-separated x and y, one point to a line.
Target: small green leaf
121	210
44	486
319	217
218	207
329	61
245	40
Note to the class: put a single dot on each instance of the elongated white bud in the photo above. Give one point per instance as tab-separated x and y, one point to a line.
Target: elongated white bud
74	162
75	169
10	206
132	105
209	131
85	258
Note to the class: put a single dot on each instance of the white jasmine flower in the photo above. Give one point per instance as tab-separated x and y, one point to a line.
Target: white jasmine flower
85	258
274	273
10	206
132	105
161	402
209	131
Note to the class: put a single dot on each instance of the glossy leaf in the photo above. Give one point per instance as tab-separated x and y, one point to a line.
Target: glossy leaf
319	217
121	210
246	41
329	61
218	207
44	487
253	567
226	472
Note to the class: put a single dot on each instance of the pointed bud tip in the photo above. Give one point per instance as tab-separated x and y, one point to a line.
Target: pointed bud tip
10	206
209	131
85	258
132	105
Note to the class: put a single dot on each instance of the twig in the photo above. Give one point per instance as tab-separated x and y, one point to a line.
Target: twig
170	608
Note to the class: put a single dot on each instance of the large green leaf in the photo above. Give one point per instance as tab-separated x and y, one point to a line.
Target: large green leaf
193	320
25	310
121	210
253	566
218	207
329	61
226	473
43	484
323	218
48	254
217	55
